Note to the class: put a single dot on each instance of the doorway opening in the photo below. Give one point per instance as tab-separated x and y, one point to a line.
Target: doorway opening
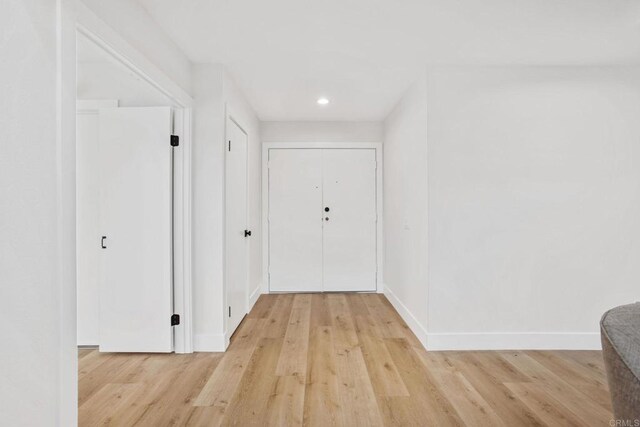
132	204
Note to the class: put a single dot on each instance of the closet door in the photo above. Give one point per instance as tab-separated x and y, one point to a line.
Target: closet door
295	220
349	208
236	253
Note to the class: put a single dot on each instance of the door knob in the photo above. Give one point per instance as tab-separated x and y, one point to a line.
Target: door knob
326	219
326	209
247	233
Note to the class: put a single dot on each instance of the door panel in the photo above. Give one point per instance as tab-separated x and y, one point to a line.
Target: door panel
135	203
349	234
295	220
236	223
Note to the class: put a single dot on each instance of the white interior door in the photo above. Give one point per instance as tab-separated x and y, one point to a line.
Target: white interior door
295	220
236	249
349	232
135	203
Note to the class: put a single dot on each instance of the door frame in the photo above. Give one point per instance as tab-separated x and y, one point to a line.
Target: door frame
266	146
231	116
95	29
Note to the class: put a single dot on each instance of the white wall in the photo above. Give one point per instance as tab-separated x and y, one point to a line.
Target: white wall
534	199
108	80
208	192
405	207
322	131
38	367
133	23
213	92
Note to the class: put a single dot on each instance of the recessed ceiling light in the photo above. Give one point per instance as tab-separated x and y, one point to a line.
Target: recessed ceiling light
323	101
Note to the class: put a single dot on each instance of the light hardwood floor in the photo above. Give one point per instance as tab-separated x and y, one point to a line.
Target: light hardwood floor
340	359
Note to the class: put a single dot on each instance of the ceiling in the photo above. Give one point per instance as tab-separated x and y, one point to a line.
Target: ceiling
363	54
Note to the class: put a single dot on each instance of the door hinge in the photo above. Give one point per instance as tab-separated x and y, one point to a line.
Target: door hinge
175	319
229	145
229	311
175	140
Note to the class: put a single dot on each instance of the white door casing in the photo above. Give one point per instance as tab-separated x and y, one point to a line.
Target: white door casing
136	269
236	242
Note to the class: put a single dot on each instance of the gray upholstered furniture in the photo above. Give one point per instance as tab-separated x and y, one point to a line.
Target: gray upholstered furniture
620	333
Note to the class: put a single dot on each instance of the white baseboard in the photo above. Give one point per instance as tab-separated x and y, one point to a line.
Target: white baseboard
209	343
220	342
411	321
513	341
254	297
494	340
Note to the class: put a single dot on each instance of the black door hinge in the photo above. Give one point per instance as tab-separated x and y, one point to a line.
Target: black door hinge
229	311
175	319
229	145
175	140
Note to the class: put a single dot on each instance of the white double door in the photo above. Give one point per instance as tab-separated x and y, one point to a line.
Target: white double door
322	220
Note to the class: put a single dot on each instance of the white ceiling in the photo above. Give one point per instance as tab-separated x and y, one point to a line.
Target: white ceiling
363	54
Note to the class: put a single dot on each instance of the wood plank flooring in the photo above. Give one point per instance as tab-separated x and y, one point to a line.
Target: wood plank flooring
343	360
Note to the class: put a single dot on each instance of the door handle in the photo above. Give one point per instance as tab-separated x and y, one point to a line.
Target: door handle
102	245
247	233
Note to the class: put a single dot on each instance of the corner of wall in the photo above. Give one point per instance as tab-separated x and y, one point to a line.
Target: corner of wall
253	296
410	319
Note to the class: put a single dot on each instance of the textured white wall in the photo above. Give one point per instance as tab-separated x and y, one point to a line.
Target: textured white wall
109	80
208	192
38	363
534	199
322	131
133	23
405	207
